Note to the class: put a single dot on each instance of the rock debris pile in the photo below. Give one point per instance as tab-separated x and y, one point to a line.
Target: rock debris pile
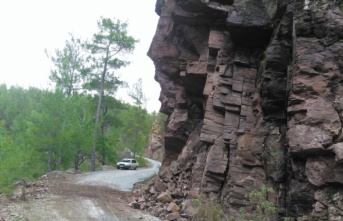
164	196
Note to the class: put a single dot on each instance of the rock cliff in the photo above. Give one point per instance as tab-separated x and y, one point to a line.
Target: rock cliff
156	139
253	90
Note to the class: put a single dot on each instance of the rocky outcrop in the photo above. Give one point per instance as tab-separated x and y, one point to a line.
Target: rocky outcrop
253	91
156	139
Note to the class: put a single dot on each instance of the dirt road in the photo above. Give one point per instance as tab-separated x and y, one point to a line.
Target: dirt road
119	179
83	197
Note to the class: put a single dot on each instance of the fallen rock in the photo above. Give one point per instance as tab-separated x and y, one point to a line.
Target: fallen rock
160	186
164	198
141	200
173	216
172	207
171	187
152	190
165	175
143	206
188	209
134	205
338	150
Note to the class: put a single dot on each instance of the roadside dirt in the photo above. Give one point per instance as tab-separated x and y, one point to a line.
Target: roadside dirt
61	198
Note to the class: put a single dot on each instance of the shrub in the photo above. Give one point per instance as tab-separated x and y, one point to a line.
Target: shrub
142	162
264	209
208	211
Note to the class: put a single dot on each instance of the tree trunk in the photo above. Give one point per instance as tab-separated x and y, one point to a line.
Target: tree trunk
136	134
93	157
103	156
98	111
70	86
23	189
51	151
77	160
97	119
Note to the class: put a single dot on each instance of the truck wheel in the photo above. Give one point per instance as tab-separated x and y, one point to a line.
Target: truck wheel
135	168
118	168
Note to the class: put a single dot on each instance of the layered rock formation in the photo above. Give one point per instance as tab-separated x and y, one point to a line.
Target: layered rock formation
253	91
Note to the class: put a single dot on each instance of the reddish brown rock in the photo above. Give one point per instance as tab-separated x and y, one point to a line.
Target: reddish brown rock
160	186
171	187
164	198
173	216
172	207
320	122
323	170
188	208
253	93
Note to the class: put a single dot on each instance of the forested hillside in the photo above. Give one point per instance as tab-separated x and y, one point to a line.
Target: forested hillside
77	123
41	131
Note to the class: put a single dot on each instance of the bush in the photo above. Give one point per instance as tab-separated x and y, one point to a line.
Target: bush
142	162
264	209
208	211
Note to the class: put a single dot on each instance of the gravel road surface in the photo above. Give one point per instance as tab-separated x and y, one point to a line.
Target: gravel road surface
118	179
101	195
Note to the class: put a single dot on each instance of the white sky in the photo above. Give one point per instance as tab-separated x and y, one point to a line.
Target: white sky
30	26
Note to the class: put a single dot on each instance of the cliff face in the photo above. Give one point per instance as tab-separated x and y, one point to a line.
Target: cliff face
254	94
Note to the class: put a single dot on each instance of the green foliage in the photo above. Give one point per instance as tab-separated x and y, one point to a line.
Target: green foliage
16	162
138	122
69	70
160	121
104	55
137	94
43	130
197	201
142	162
209	210
135	129
111	41
264	209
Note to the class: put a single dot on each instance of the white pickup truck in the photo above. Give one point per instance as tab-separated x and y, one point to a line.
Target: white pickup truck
127	163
